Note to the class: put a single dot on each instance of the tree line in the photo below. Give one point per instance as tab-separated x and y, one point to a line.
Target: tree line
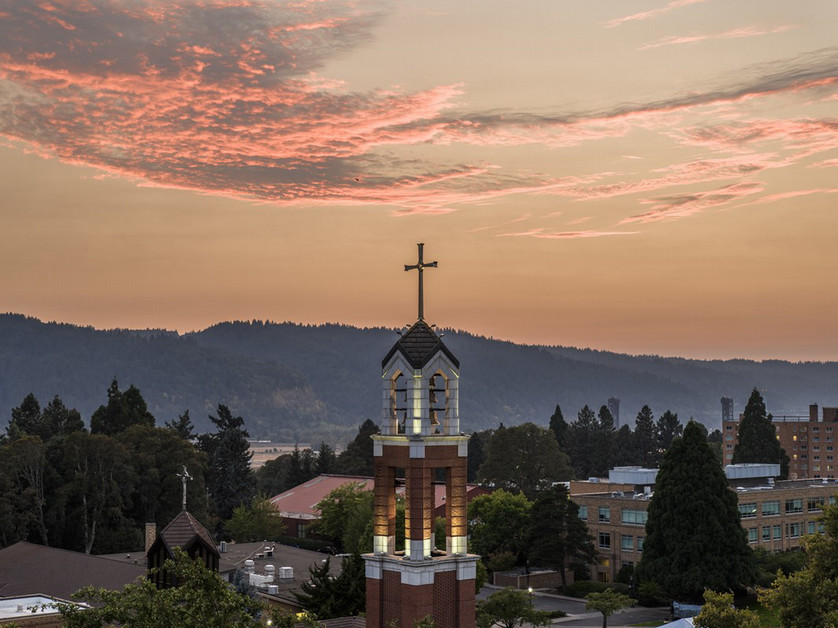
93	490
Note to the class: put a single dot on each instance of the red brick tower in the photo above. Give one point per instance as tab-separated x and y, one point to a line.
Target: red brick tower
420	432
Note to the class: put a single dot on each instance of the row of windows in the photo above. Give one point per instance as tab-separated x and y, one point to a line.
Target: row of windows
775	532
627	516
770	508
628	542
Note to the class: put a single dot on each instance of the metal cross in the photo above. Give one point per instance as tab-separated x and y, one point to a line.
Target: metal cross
183	478
420	266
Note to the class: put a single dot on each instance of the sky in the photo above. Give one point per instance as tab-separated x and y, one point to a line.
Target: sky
641	176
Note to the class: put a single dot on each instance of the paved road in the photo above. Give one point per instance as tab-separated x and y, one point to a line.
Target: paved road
579	617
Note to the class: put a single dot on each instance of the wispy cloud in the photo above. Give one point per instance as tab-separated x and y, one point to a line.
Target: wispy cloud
565	235
684	205
653	13
736	33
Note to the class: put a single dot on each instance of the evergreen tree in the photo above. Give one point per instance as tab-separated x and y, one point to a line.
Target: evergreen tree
26	418
182	426
580	446
757	438
230	480
559	428
123	410
602	442
327	596
694	539
623	452
357	458
645	440
667	429
326	459
557	536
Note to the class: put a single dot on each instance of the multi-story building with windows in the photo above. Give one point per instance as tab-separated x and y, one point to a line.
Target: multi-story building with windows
808	441
775	514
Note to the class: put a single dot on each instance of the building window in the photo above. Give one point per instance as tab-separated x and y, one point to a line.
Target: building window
605	540
627	542
814	504
811	527
752	535
583	513
746	511
770	508
766	533
728	427
792	530
301	530
794	505
640	543
728	437
604	514
633	517
777	532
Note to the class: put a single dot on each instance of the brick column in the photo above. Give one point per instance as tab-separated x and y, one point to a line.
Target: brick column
456	512
384	519
418	509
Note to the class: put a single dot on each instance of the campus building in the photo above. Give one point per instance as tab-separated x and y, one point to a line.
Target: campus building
775	514
807	440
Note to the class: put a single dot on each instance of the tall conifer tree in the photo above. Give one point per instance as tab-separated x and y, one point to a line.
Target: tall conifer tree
757	441
694	539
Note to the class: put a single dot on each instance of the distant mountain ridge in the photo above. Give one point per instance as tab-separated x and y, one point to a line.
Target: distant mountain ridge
297	382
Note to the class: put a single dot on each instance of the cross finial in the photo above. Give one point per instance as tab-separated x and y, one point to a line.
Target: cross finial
420	266
183	478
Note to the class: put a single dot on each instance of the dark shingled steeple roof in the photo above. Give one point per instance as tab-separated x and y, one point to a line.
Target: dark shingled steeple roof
182	530
418	345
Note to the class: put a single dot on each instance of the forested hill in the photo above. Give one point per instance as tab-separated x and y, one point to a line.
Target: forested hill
296	382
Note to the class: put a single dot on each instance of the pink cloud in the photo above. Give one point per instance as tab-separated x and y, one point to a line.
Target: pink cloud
647	15
565	235
737	33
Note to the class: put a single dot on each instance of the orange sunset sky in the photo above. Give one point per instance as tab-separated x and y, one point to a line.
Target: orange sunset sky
642	176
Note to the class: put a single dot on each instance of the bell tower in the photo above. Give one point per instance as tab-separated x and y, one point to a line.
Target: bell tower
420	433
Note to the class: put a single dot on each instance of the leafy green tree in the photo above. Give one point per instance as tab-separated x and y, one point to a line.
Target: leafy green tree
718	612
557	536
27	458
607	602
694	539
499	522
667	429
524	458
258	521
123	410
559	427
645	440
99	478
809	598
357	458
347	508
230	480
509	608
327	596
182	426
204	600
757	438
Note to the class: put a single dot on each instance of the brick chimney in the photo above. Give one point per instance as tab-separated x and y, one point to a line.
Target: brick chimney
150	535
